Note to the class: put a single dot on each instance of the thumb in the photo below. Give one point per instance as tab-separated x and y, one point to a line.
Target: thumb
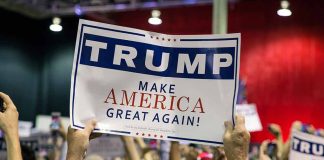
264	146
228	127
6	99
90	125
240	120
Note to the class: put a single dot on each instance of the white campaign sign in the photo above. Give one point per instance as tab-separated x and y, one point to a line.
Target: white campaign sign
152	85
306	146
252	120
25	128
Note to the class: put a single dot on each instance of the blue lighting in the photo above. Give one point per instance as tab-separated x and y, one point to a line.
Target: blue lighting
150	4
120	6
78	10
190	1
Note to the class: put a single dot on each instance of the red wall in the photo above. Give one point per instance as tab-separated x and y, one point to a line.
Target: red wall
282	61
281	57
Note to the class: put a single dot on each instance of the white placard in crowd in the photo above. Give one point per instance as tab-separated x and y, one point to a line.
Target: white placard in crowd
107	147
252	120
306	146
43	122
152	85
25	128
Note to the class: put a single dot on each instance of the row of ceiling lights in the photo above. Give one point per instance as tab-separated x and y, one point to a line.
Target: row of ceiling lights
154	20
155	16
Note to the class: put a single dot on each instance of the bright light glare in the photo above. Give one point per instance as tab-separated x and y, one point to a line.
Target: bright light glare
77	10
155	21
284	4
56	20
56	27
284	12
156	13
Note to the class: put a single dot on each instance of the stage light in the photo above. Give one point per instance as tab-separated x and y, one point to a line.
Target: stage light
284	10
155	18
77	10
55	26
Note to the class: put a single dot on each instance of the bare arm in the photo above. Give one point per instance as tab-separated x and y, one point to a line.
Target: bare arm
263	150
297	125
275	130
9	125
78	141
13	147
59	144
131	148
175	151
140	142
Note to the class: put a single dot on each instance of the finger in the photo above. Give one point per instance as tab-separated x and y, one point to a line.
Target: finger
127	139
70	129
95	135
310	129
274	141
4	106
297	125
272	127
239	120
264	146
228	126
321	132
90	125
275	129
6	99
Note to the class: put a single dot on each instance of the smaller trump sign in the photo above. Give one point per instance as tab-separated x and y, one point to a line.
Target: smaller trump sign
306	146
252	120
151	85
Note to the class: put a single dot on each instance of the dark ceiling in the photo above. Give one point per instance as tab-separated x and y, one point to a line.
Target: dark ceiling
46	8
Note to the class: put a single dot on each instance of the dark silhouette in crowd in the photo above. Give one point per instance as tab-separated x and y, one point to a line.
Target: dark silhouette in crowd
27	153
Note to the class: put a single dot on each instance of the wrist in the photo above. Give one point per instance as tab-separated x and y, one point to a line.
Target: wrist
11	136
75	154
237	158
72	156
234	154
279	137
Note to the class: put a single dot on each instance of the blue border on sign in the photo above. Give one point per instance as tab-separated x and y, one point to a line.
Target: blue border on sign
236	54
142	35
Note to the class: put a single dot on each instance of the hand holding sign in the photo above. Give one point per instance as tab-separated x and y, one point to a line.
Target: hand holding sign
78	140
236	140
136	83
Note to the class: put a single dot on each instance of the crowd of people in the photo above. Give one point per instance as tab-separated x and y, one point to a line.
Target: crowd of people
236	138
236	141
